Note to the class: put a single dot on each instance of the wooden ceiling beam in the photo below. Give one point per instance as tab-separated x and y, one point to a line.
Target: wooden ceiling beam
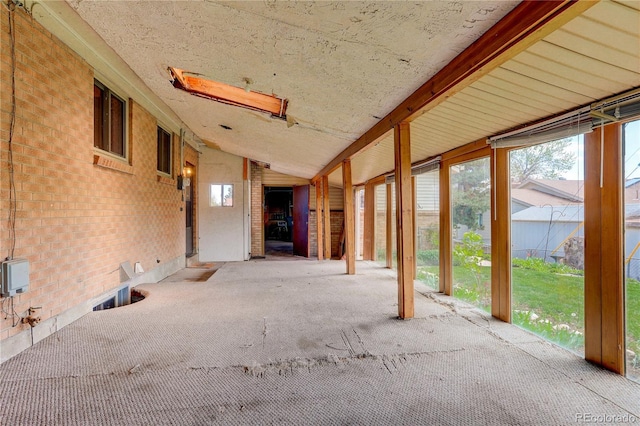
526	24
227	94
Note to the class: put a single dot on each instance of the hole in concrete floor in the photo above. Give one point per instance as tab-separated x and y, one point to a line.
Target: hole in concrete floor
125	296
200	272
136	296
202	277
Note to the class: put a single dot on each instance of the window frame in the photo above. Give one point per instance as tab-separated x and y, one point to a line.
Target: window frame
161	131
222	189
105	143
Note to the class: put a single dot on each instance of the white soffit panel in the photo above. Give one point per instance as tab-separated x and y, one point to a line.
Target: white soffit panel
374	161
592	57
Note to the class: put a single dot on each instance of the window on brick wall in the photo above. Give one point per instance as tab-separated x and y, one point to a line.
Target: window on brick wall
109	120
221	195
164	151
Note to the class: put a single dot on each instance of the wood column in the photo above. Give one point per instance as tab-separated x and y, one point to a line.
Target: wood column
326	217
369	250
414	201
349	218
500	235
389	233
446	256
319	221
404	220
604	248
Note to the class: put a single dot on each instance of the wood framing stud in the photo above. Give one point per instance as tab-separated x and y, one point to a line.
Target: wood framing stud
404	220
500	235
446	258
604	249
349	218
245	169
326	217
368	251
389	225
319	221
414	203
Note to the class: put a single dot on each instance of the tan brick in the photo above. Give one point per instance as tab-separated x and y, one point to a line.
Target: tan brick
77	222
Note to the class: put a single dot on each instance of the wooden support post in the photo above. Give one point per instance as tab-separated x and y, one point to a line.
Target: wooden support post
612	259
389	233
319	221
446	256
404	220
349	220
245	169
604	248
414	201
326	217
500	235
369	250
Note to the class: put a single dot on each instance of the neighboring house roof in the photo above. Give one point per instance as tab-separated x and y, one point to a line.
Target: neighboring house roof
631	182
567	213
532	197
570	190
541	192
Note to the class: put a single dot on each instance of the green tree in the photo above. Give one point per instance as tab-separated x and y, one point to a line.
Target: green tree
471	192
544	161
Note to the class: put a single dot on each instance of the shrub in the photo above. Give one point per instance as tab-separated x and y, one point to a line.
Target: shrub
429	257
469	252
429	278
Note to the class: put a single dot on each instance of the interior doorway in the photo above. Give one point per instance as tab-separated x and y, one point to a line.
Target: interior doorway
301	220
278	220
188	182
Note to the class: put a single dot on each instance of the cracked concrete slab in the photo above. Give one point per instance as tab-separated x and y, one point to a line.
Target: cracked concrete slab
300	342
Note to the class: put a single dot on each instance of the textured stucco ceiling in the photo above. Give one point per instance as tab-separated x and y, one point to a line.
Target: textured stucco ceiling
341	65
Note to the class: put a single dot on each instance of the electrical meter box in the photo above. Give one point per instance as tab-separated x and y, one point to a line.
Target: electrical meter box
15	277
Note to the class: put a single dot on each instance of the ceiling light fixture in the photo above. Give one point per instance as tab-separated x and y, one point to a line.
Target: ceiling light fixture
229	95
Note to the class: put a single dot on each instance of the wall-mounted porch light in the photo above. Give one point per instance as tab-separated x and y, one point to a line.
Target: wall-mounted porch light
184	179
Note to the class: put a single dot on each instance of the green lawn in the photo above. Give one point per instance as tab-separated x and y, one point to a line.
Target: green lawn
633	320
546	303
551	305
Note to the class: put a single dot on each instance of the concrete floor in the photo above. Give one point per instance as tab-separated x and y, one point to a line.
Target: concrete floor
277	248
299	342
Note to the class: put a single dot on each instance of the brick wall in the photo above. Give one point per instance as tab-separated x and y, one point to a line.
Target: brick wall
257	219
313	233
76	221
337	219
